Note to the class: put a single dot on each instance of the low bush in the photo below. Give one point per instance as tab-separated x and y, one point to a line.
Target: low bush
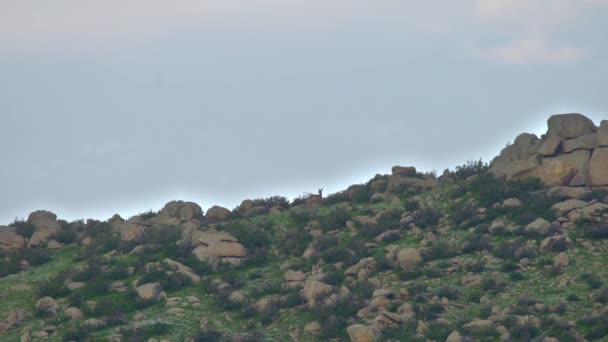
23	228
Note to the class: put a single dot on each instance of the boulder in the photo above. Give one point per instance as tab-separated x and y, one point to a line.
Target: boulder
47	306
363	333
404	170
602	134
216	213
555	173
478	325
526	145
539	226
570	126
516	169
46	225
585	142
73	313
15	318
10	241
454	336
213	244
599	167
568	205
315	290
182	269
129	232
408	259
568	169
550	146
388	235
150	292
561	260
179	211
294	278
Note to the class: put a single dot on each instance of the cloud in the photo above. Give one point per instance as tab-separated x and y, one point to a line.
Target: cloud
535	51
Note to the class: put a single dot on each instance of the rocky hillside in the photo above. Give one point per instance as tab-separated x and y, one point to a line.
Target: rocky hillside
512	251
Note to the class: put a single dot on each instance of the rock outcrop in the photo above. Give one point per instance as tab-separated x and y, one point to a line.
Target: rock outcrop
570	154
9	240
46	225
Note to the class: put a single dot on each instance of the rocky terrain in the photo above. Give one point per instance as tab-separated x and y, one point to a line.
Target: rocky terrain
511	251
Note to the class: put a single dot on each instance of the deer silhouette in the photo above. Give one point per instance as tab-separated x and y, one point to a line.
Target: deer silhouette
312	199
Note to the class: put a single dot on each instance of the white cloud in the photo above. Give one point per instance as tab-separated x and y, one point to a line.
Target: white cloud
535	51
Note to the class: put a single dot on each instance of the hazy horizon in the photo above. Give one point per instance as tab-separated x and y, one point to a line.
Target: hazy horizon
119	107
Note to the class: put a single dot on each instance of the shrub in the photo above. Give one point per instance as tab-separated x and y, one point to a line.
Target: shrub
209	335
438	331
338	197
148	214
593	229
35	257
469	169
596	326
592	280
78	333
475	266
439	249
142	332
410	205
602	295
23	228
53	287
448	292
335	219
427	217
477	242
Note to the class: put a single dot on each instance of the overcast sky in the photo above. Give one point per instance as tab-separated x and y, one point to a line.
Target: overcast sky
118	106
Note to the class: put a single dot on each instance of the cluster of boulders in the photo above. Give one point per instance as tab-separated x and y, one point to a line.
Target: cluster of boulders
573	152
45	225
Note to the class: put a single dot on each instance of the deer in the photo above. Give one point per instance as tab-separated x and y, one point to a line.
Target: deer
312	199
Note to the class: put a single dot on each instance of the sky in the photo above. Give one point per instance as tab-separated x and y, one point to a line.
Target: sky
120	106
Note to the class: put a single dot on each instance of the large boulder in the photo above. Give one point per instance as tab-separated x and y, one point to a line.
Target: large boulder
598	167
550	146
314	291
10	241
216	213
602	134
408	259
150	292
363	333
213	244
555	173
570	126
176	212
585	142
571	169
46	225
129	232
